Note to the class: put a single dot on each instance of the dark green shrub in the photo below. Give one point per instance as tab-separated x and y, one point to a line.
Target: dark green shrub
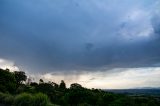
40	99
24	99
6	98
21	89
9	99
2	97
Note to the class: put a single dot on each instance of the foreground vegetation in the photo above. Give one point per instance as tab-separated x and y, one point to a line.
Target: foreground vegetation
14	92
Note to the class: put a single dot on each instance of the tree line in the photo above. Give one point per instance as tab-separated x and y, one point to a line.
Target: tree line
14	92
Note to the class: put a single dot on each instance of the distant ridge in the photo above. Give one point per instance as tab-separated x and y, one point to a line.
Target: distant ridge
147	88
137	91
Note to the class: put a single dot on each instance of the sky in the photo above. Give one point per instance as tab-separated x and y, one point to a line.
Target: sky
97	43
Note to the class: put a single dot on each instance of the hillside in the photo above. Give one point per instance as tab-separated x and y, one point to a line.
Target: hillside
14	92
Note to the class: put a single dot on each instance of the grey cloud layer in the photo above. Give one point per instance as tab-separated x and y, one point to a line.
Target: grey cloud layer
80	35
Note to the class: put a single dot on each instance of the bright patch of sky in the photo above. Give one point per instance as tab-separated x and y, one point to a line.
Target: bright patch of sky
6	64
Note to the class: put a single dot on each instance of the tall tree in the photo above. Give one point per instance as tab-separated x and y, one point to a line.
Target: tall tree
62	85
75	86
20	77
41	81
7	81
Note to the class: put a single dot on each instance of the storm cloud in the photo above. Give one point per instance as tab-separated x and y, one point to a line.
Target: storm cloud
49	35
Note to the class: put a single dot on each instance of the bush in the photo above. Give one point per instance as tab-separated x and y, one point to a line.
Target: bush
2	97
9	99
40	99
21	89
24	99
6	98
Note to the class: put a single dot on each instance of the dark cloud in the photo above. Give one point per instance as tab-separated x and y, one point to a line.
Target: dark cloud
156	24
79	35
